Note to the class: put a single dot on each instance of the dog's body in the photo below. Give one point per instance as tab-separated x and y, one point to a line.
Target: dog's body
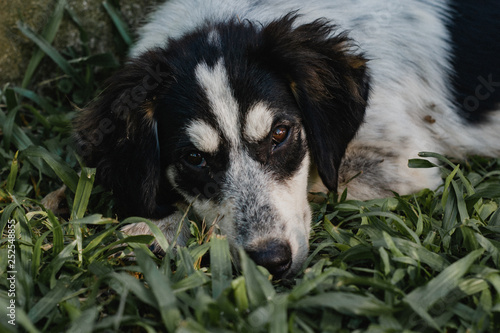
241	107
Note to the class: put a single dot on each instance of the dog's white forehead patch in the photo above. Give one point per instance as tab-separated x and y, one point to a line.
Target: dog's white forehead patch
258	122
203	136
215	82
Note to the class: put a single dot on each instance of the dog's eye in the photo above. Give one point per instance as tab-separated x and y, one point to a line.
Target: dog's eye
280	134
195	159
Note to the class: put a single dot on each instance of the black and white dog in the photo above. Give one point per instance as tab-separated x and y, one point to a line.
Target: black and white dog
242	107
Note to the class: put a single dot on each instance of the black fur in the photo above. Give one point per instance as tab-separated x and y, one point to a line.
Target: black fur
313	78
475	29
329	82
125	151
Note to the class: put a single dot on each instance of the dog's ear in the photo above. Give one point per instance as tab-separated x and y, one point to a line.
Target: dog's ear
117	134
328	80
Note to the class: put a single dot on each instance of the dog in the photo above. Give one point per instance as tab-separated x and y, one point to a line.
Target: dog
238	109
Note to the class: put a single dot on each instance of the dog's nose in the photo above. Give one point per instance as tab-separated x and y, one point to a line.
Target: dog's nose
274	255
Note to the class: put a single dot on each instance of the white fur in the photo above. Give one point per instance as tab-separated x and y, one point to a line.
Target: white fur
214	38
294	209
288	218
168	225
258	122
215	83
249	187
203	136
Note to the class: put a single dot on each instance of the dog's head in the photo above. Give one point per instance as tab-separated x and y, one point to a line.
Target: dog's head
230	118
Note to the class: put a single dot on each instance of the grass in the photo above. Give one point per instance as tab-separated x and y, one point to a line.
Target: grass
421	263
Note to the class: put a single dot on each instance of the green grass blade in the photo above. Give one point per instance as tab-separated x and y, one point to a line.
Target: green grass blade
84	38
52	53
39	117
35	98
489	246
191	326
131	240
186	263
48	33
106	60
343	237
48	275
165	297
10	98
442	284
422	298
18	137
199	251
346	303
9	117
220	265
8	126
307	286
98	239
400	224
193	281
50	301
14	169
144	294
279	316
441	158
460	203
120	25
25	240
95	219
157	233
420	220
419	163
6	215
37	254
486	190
83	191
240	294
258	286
85	322
56	229
450	213
80	203
420	253
61	168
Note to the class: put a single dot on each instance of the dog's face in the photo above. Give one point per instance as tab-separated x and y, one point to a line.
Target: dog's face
229	119
238	153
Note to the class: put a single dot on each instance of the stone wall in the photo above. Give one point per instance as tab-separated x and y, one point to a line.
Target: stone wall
16	50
